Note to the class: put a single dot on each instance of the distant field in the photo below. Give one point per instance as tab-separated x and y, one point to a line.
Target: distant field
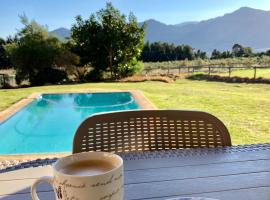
244	108
265	73
171	67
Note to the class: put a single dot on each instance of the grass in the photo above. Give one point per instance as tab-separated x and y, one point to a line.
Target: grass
244	108
235	62
265	73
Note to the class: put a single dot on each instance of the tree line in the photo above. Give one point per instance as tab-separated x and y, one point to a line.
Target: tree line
152	52
161	51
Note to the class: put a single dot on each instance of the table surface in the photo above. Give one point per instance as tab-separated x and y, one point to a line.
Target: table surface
231	173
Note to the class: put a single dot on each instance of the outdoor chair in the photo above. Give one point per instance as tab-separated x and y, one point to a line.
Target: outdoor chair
149	130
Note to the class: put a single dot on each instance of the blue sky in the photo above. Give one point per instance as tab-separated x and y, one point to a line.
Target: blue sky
61	13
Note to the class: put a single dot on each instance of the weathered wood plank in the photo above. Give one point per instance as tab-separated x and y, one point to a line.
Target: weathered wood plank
196	186
198	171
261	193
195	160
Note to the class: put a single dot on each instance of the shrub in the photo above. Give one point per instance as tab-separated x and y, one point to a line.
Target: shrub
94	75
78	73
197	76
48	75
164	79
134	67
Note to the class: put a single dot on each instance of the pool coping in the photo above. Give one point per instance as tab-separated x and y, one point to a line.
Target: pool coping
143	102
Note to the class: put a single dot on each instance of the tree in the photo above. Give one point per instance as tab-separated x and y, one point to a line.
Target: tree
188	52
226	54
240	51
237	50
216	54
146	53
267	52
159	51
109	41
200	54
65	59
4	59
34	53
247	52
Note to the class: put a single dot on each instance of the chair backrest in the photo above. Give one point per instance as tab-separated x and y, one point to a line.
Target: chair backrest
148	130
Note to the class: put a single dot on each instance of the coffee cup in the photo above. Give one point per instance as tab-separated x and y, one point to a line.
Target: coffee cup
86	176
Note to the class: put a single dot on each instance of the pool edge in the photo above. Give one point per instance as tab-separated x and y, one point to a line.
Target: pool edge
16	107
143	102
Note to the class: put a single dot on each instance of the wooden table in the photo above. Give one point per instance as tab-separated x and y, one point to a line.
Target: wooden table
233	173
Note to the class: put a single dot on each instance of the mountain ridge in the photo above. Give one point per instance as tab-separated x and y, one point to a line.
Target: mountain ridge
246	26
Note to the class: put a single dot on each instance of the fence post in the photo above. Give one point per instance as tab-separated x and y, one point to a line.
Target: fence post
209	70
230	71
147	71
255	71
168	72
179	70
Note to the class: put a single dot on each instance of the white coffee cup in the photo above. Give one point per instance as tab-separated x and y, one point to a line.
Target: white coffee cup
103	186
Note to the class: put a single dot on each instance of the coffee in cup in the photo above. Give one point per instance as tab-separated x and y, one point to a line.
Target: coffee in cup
88	168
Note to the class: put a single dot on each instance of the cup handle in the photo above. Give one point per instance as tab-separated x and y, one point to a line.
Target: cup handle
46	179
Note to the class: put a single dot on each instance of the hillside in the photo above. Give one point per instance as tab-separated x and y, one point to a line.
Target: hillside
61	33
247	26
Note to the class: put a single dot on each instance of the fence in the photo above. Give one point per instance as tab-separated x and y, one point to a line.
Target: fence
209	69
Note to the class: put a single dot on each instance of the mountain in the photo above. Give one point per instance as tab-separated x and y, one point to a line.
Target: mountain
61	33
157	31
246	26
185	23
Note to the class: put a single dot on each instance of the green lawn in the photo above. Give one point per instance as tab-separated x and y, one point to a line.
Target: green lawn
265	73
244	108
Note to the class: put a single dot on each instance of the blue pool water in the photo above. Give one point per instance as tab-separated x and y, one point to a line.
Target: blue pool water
48	123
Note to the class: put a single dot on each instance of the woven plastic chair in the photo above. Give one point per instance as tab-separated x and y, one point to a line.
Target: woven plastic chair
148	130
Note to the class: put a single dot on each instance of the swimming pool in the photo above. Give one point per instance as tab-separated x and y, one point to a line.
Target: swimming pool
48	124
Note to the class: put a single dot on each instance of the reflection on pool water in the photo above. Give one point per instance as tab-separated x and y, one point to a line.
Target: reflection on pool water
48	124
